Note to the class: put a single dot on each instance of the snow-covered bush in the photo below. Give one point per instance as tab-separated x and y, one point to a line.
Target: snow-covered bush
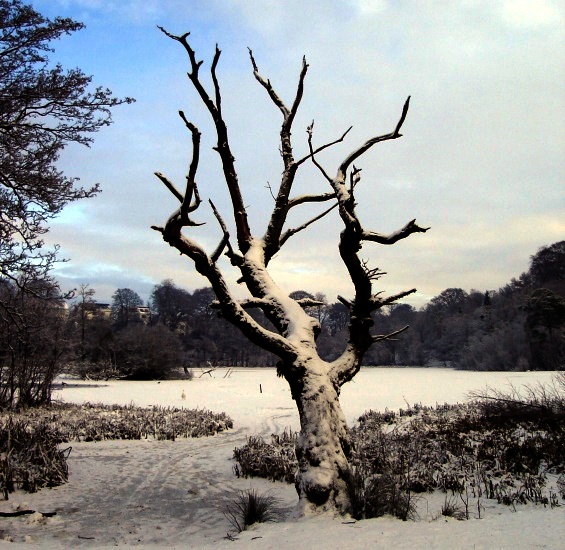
275	461
501	447
88	422
29	457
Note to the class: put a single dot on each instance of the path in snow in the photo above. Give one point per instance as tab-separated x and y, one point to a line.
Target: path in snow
171	494
151	492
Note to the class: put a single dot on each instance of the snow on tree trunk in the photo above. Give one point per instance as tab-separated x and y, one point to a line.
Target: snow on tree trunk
323	445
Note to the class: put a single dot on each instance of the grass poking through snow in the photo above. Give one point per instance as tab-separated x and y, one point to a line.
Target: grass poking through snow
500	446
251	507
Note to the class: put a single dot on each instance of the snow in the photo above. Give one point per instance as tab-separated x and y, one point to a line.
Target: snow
163	494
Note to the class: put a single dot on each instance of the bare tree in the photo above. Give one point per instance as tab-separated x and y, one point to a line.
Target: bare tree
84	306
323	446
33	341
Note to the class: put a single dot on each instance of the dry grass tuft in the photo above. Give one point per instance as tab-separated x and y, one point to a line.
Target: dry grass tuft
250	507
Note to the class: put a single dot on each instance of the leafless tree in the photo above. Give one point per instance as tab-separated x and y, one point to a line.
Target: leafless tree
323	446
33	341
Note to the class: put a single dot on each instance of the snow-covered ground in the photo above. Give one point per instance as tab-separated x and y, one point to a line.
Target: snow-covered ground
167	494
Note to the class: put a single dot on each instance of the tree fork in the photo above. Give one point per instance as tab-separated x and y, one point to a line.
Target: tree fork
323	446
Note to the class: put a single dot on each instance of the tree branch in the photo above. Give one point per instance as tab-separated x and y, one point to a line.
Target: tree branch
376	302
229	307
170	186
298	98
250	303
351	241
225	242
191	189
410	228
381	337
290	232
270	90
279	215
222	147
310	198
347	303
310	131
369	143
309	302
322	147
215	80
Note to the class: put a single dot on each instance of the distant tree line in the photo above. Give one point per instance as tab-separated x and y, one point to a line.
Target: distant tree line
520	326
176	331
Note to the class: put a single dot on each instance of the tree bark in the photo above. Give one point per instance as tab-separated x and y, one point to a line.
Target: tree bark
323	445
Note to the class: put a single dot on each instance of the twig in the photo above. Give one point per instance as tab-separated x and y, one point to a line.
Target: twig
25	513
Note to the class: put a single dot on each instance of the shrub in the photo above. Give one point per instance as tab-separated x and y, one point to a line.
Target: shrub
376	495
30	458
452	509
500	446
538	404
250	507
275	461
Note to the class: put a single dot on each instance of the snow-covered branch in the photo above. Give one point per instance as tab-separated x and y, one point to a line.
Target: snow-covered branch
222	147
373	141
290	232
410	228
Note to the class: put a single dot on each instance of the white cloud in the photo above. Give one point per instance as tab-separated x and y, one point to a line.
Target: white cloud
532	13
370	7
481	160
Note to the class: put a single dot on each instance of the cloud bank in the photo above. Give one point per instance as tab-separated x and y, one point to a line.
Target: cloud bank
481	160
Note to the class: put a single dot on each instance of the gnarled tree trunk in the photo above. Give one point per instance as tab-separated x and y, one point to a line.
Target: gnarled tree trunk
323	444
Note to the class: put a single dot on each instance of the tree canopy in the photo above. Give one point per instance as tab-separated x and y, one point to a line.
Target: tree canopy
43	108
125	302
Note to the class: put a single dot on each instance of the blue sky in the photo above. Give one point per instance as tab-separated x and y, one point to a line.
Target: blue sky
481	160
